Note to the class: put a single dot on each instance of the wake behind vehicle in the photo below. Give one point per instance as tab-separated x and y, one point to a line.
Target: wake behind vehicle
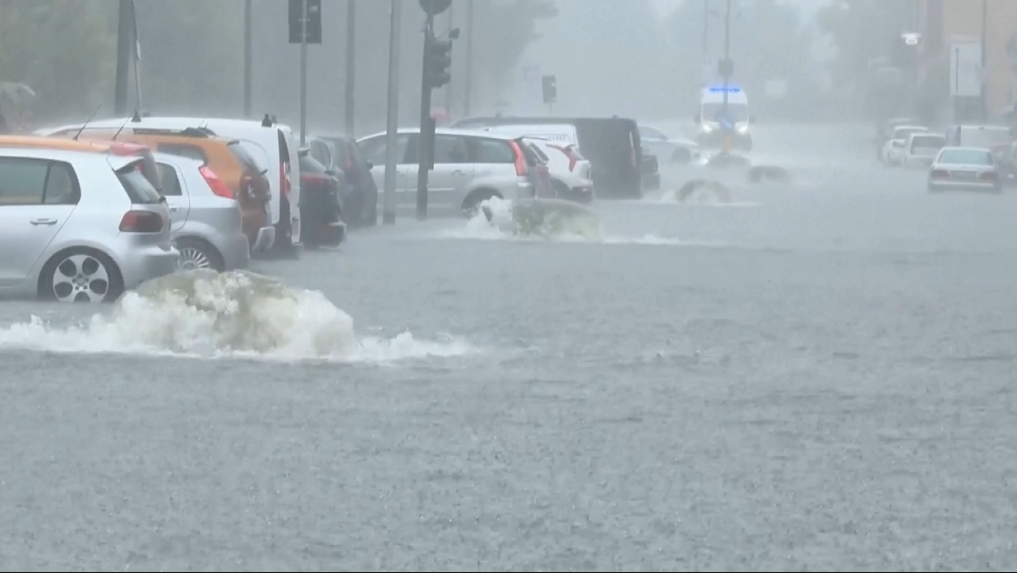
965	169
723	125
79	226
612	145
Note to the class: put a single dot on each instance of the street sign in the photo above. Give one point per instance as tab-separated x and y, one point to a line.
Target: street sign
966	68
435	7
313	21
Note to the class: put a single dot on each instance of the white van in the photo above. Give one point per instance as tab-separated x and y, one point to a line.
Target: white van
270	143
711	109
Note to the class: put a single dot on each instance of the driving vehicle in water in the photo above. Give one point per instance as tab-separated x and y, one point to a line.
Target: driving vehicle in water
612	145
723	119
671	149
965	169
893	150
921	149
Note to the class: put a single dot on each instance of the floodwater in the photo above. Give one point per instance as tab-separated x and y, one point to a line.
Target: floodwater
816	375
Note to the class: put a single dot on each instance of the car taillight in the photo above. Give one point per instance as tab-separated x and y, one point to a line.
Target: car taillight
940	174
141	222
217	185
520	163
284	179
313	179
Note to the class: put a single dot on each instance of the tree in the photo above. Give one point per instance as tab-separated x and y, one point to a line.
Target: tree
62	50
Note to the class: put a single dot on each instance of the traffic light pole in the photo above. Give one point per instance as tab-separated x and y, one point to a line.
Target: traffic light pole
303	75
351	62
424	139
247	59
392	135
124	48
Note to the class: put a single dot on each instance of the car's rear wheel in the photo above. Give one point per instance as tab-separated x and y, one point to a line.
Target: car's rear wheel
471	205
197	254
80	276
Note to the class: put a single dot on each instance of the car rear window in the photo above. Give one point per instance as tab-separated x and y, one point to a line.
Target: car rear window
241	154
965	157
485	150
138	187
309	164
170	181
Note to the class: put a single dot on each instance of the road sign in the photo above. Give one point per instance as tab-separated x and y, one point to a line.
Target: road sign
966	68
313	21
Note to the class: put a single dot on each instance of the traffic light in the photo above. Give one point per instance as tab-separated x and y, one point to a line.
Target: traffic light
550	90
439	60
296	17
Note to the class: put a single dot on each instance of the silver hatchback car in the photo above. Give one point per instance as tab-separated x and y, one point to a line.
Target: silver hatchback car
79	227
469	167
207	228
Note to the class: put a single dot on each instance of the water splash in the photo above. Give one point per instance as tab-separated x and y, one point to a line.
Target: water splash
206	314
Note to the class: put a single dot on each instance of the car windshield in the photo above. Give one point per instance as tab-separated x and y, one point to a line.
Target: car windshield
965	157
713	111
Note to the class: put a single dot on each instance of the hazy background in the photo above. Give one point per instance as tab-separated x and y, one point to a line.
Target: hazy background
640	58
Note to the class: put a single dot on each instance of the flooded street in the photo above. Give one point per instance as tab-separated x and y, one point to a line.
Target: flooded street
816	375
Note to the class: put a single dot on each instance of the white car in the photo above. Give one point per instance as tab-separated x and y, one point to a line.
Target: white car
965	169
669	149
921	149
893	149
79	226
570	171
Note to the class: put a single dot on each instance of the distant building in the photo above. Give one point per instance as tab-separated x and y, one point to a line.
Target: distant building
943	21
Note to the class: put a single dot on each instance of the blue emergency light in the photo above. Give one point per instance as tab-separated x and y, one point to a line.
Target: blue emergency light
722	89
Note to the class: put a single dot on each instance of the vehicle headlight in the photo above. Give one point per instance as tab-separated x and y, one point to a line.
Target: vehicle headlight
707	128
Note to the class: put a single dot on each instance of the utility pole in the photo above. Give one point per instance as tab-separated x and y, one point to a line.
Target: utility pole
392	136
984	69
303	75
727	53
468	96
124	49
426	126
247	59
448	87
351	46
706	30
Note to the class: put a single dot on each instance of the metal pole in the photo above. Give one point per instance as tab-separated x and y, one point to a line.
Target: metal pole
247	59
424	142
136	54
727	50
392	137
124	50
468	99
985	45
448	86
303	75
706	29
351	46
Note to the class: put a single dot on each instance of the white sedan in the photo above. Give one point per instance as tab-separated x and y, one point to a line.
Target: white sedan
669	149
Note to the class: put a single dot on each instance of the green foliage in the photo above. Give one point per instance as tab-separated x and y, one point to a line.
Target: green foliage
60	49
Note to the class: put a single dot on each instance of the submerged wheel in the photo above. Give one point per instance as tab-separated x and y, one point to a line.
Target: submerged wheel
195	254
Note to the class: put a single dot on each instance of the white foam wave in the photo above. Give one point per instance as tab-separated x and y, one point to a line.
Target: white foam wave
237	314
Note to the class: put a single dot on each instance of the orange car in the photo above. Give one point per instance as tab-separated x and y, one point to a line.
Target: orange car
244	178
148	166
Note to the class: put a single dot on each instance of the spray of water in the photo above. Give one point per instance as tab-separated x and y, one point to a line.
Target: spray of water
204	313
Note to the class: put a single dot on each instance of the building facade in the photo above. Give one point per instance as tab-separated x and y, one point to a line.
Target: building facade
941	22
